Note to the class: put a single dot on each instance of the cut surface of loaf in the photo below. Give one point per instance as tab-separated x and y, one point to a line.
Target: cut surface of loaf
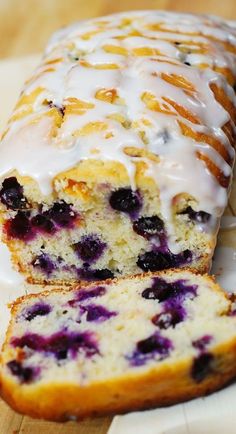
127	344
118	156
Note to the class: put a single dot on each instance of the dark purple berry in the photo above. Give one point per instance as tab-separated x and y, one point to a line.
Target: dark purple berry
62	214
202	342
155	261
88	274
89	248
162	290
19	227
155	343
84	294
148	226
44	263
29	340
103	274
61	344
202	367
125	200
43	224
39	309
169	318
197	216
12	195
25	374
97	313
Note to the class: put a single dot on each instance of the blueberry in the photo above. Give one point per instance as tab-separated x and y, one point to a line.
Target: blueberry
20	227
60	344
163	291
88	274
62	214
125	200
148	226
25	374
169	318
89	248
154	343
155	261
29	340
38	309
202	342
97	313
103	274
160	291
90	293
43	223
12	195
197	216
44	263
202	367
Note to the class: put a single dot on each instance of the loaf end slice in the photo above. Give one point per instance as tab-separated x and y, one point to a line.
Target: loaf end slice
122	345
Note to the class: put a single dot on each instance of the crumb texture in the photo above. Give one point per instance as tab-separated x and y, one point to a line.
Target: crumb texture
135	330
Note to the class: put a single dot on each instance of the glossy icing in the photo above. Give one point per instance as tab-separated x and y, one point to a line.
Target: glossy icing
132	56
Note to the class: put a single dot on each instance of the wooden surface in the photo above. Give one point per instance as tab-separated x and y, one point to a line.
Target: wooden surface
25	26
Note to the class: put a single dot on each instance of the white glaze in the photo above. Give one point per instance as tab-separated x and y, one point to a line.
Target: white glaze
29	148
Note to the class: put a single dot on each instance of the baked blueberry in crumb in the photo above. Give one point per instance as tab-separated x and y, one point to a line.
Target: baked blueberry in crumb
148	227
62	214
197	216
89	248
83	295
125	200
97	313
87	273
43	224
148	348
202	367
163	291
44	263
20	227
156	261
11	194
153	261
61	345
25	374
29	340
169	317
202	342
38	309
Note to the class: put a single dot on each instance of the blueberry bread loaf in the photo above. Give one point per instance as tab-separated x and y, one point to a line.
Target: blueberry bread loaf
118	156
124	344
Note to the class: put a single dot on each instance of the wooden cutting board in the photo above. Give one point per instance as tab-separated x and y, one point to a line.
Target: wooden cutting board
13	72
